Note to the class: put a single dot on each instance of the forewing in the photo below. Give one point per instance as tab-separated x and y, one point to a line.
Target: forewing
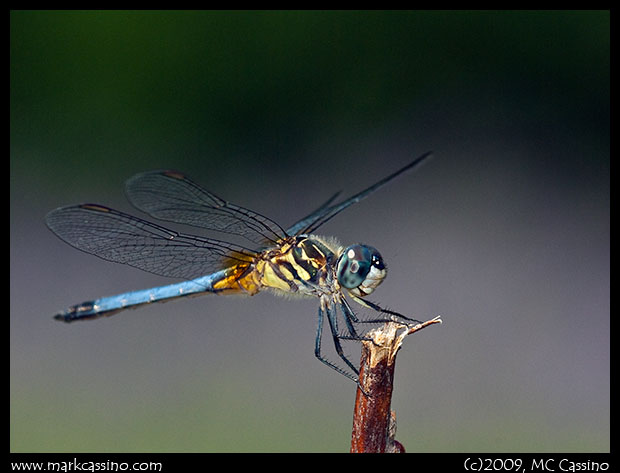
326	212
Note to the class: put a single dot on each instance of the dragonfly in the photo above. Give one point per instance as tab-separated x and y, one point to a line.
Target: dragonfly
291	261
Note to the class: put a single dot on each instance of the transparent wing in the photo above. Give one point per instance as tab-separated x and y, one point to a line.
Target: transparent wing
123	238
171	196
326	212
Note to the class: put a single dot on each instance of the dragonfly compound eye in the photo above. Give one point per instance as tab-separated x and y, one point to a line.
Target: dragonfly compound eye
360	269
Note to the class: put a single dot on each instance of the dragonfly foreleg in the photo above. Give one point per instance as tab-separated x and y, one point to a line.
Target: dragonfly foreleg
350	318
393	316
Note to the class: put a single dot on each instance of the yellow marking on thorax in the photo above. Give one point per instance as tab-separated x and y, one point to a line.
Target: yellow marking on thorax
289	272
286	273
301	272
270	278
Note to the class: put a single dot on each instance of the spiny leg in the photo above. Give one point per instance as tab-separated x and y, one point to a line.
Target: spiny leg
350	318
394	316
331	318
317	350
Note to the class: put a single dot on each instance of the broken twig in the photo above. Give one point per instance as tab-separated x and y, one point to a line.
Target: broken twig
374	424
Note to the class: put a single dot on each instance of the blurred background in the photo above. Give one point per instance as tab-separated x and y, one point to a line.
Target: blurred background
504	233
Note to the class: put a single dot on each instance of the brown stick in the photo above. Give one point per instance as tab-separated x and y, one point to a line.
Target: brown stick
374	425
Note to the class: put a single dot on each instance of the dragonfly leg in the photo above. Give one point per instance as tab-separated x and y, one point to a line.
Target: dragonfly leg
331	318
393	316
350	318
320	357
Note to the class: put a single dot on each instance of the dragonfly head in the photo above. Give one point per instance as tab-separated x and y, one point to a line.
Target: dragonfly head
360	269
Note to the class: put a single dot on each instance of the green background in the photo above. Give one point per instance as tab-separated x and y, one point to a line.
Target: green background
505	232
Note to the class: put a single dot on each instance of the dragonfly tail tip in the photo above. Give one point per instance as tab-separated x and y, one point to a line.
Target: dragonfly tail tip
61	317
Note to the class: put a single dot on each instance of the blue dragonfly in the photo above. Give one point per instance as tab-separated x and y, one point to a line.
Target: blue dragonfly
292	261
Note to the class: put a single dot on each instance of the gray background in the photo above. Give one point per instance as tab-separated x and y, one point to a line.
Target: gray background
505	232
